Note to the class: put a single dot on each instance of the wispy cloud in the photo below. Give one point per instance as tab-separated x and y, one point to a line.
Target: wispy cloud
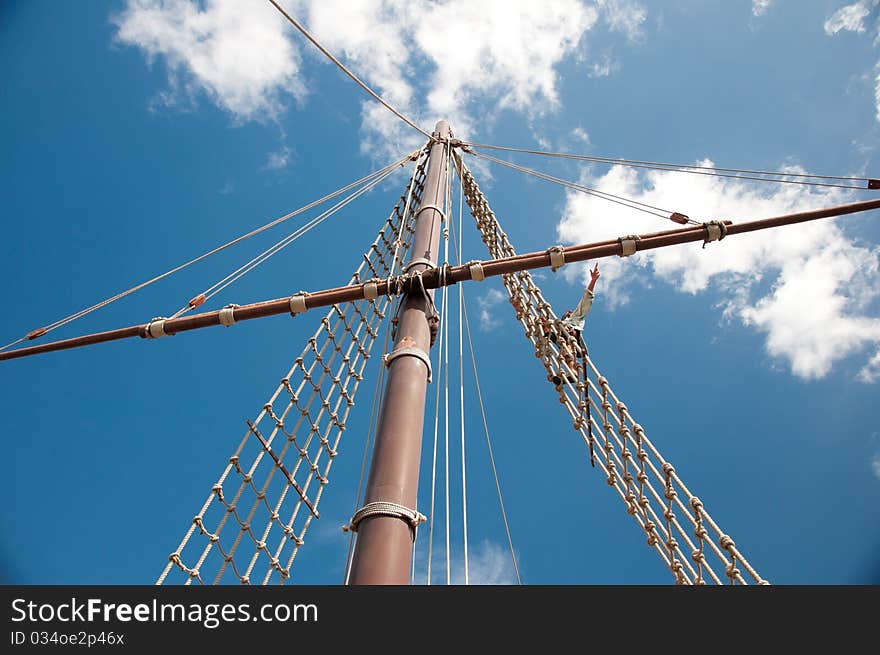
489	305
817	308
603	65
580	134
760	7
278	160
850	18
625	16
508	61
489	563
211	49
859	17
870	372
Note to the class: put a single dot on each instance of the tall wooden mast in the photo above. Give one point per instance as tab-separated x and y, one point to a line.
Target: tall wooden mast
388	519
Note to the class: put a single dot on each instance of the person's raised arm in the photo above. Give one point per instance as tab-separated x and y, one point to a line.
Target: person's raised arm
594	275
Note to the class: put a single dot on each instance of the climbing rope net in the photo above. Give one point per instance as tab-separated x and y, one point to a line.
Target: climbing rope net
676	524
256	516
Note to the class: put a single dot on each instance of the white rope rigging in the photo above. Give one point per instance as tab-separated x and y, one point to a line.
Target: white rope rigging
457	246
345	70
445	319
280	245
630	462
604	195
715	171
378	394
489	444
441	339
293	441
88	310
458	249
377	402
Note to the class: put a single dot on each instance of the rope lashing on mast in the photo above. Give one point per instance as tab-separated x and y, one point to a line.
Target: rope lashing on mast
384	508
632	465
807	179
295	437
430	279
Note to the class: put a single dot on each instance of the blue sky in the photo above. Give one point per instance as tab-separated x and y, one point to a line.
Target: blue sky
139	134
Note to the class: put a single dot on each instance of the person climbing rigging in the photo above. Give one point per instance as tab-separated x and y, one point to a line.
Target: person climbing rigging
575	319
572	322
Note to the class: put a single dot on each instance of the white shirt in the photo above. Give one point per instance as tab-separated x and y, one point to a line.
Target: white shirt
576	320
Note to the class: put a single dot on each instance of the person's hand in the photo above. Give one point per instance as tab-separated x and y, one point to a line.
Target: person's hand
594	274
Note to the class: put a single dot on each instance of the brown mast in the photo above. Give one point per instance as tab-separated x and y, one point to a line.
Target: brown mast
383	551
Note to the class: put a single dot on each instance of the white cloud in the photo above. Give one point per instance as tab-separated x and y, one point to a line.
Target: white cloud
870	372
238	53
488	307
580	134
875	465
454	59
278	160
603	66
814	306
495	53
488	564
877	90
760	7
626	16
850	18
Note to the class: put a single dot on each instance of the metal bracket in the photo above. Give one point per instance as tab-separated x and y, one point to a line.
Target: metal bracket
409	352
557	257
715	231
476	270
424	207
227	316
371	290
628	245
419	260
298	303
156	328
